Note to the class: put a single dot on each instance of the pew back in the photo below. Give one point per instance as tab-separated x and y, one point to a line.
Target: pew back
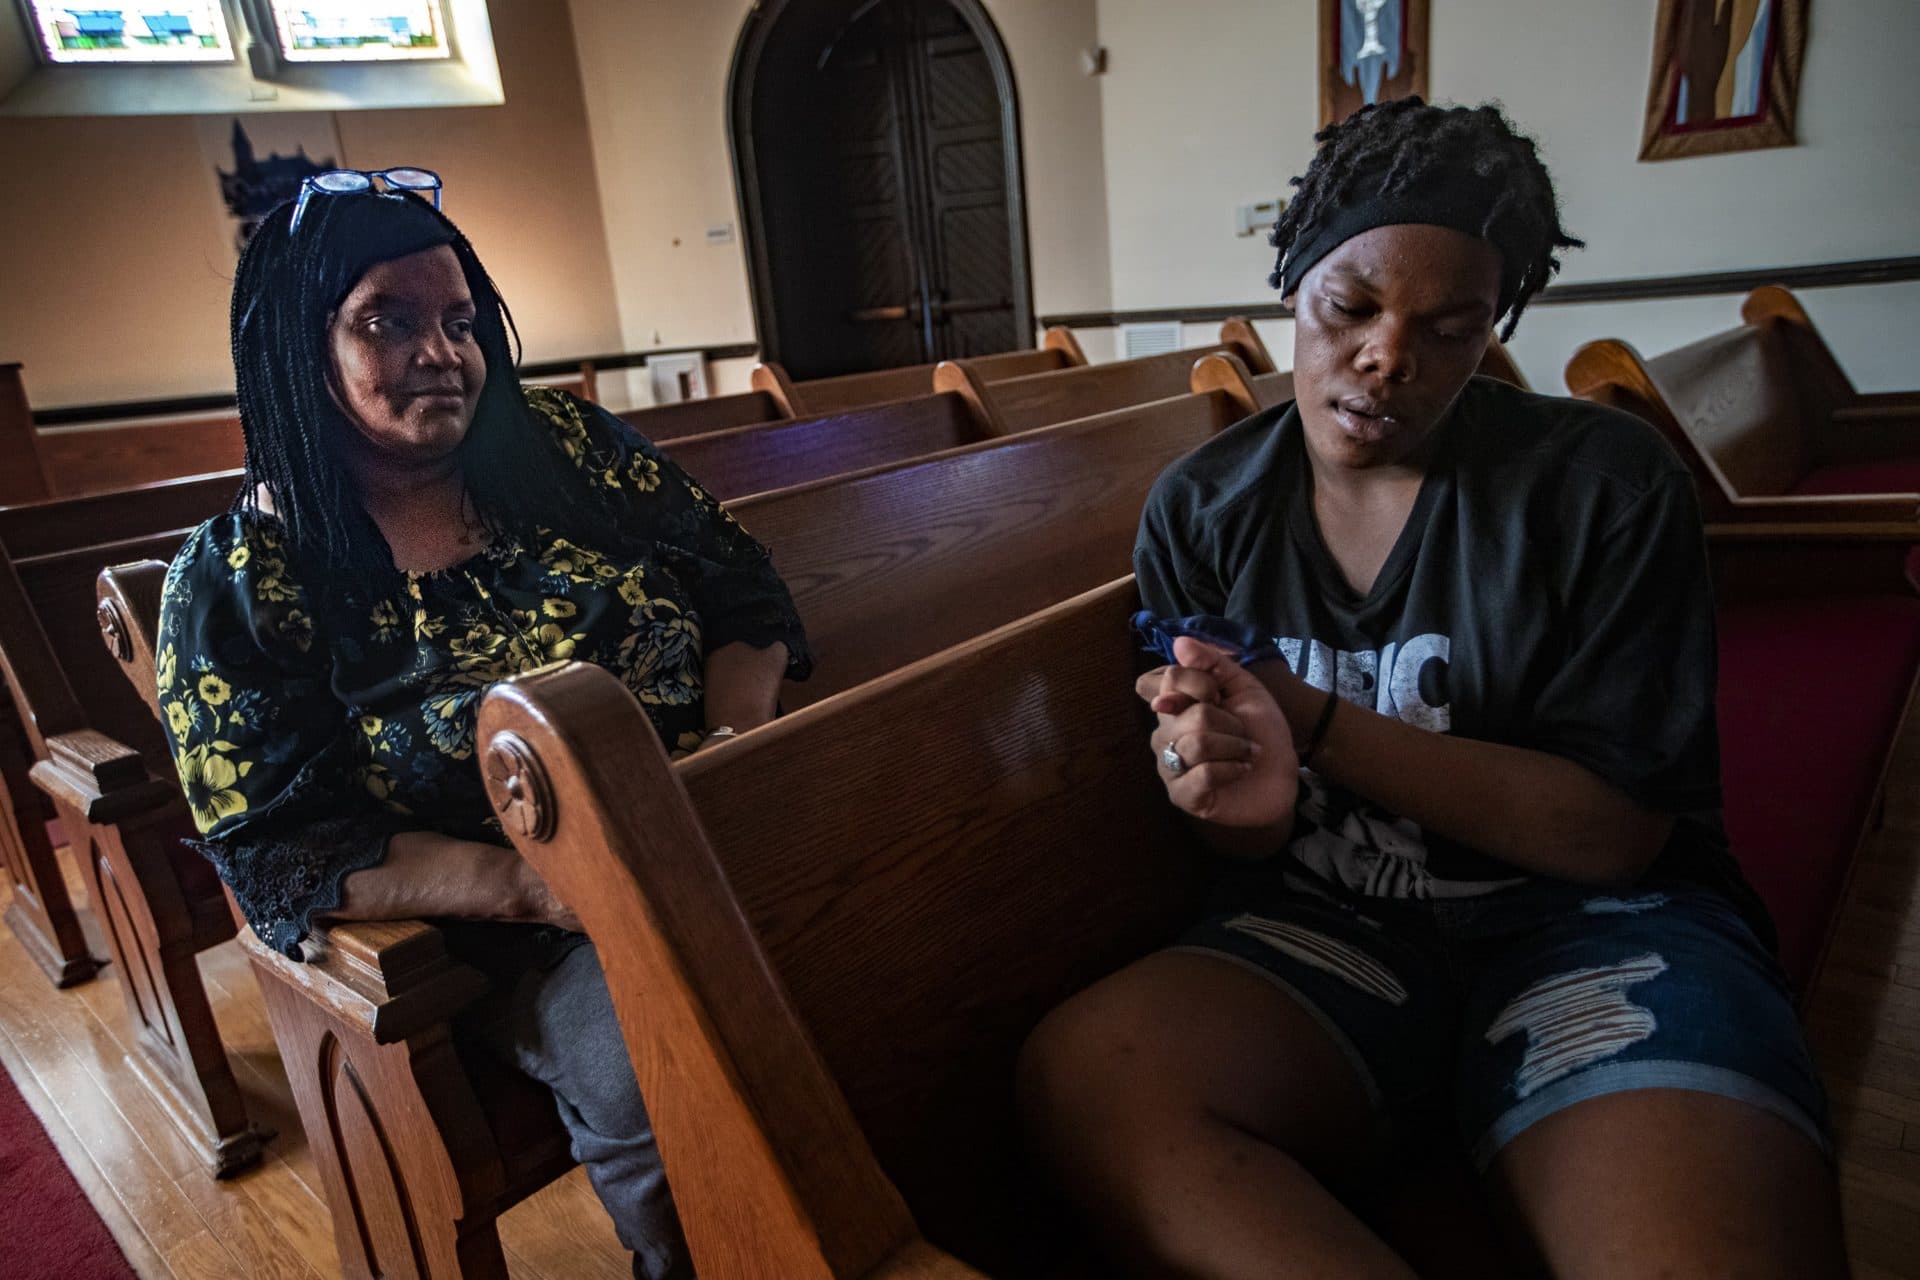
1037	400
754	459
697	417
853	917
852	390
893	565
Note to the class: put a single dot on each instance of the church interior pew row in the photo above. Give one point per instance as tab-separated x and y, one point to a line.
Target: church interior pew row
56	546
161	513
827	940
1757	415
896	563
1058	349
754	459
886	567
824	955
1019	404
65	461
156	900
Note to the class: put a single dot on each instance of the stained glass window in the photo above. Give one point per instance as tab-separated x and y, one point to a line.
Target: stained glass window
158	31
360	30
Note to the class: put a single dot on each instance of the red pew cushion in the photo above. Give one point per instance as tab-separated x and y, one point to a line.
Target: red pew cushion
1811	694
1901	475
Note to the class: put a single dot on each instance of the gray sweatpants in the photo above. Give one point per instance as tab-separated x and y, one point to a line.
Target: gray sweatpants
550	1016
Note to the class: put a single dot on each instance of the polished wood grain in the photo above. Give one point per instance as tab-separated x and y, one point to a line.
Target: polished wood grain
91	459
24	477
697	417
156	901
895	564
854	390
55	525
1037	400
1754	409
70	1058
754	459
846	922
1864	1020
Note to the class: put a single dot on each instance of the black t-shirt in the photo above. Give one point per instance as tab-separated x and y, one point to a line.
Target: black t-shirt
1549	591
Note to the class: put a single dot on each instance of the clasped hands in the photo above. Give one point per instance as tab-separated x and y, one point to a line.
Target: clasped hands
1242	769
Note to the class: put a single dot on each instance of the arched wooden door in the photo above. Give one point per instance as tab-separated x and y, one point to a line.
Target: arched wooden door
876	145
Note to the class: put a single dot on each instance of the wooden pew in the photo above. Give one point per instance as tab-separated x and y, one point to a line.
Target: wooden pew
1059	349
1732	405
887	567
662	422
891	565
1019	404
1827	390
846	923
40	536
754	459
113	454
827	939
156	899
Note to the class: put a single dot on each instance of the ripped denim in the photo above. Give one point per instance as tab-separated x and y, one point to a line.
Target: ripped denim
1507	1007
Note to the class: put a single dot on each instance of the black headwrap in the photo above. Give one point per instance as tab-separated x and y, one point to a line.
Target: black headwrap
1463	201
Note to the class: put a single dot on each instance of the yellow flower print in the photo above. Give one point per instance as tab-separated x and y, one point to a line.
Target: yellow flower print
386	620
298	627
371	725
685	744
214	691
238	557
208	780
377	780
631	589
164	667
643	473
426	627
270	584
557	608
179	720
477	650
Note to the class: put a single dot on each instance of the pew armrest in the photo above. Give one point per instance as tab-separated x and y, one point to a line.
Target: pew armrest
1836	509
99	778
1888	401
1871	433
394	978
1755	560
922	1261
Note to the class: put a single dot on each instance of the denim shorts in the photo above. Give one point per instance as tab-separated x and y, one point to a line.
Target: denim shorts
1506	1007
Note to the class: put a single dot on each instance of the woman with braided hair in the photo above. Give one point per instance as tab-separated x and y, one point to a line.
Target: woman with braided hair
1440	692
417	526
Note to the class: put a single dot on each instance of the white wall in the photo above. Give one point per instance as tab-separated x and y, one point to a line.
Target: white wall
655	77
1212	103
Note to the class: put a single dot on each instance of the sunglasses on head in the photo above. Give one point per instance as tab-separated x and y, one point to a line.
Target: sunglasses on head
349	182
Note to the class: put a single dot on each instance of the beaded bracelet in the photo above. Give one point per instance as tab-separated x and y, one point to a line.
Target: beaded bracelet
1319	733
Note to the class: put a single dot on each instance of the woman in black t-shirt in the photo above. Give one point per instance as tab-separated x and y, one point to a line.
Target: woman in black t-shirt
1442	689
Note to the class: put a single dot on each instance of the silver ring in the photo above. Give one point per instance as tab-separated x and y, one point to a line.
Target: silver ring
1170	758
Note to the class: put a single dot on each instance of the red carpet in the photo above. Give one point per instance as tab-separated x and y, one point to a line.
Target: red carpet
52	1233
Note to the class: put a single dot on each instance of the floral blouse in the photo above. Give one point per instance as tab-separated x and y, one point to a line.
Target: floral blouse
304	741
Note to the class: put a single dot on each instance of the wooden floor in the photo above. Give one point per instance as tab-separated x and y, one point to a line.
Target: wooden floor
65	1050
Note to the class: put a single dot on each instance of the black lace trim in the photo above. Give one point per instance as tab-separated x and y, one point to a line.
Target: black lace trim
283	881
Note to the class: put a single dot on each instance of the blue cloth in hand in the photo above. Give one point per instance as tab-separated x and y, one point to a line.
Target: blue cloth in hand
1247	646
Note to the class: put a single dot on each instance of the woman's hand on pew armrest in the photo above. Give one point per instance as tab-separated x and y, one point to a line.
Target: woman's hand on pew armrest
743	684
1239	774
430	874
